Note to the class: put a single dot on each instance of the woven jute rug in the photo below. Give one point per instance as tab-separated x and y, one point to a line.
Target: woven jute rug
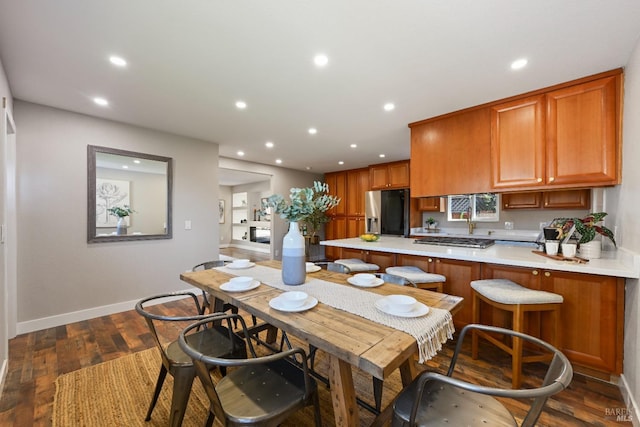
118	392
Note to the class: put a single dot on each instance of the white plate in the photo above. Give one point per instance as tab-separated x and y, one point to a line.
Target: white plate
235	267
418	310
377	282
230	287
313	269
277	304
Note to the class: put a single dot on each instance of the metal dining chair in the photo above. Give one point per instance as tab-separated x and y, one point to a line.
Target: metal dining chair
333	266
259	391
214	340
206	304
433	399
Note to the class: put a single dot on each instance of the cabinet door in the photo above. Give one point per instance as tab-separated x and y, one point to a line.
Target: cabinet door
429	204
567	199
336	228
355	226
450	155
357	184
459	275
382	259
379	177
518	143
582	133
399	175
337	182
531	200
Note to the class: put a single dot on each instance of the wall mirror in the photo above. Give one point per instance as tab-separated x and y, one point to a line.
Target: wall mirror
125	179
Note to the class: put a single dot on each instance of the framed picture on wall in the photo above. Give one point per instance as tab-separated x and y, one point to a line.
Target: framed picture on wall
221	211
109	194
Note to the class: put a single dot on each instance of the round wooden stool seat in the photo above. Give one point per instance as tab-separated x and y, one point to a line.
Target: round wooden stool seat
505	295
421	278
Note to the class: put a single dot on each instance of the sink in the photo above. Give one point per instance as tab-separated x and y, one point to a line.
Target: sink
465	242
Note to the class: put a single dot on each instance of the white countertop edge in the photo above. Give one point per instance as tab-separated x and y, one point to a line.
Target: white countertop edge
618	263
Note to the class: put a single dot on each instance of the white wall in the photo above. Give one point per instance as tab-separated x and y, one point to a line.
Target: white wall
60	276
4	311
623	206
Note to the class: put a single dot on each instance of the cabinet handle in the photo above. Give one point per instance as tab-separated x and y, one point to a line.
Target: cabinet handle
437	261
547	274
551	179
506	205
534	272
430	260
539	180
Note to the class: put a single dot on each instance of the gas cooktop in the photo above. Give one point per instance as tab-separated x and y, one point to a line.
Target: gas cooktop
465	242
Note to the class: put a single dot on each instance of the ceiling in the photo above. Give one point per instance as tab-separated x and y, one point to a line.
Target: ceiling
190	61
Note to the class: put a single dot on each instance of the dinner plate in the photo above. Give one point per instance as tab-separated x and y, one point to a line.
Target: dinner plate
230	287
418	310
377	282
235	267
313	269
277	304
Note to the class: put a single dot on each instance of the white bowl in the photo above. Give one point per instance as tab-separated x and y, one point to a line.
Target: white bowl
364	278
309	265
293	299
401	303
241	282
240	263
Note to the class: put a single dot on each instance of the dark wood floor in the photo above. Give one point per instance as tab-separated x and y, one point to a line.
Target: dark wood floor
36	359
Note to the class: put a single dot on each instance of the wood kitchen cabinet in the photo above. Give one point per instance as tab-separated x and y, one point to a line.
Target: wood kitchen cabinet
458	273
591	316
429	204
337	182
382	259
357	185
567	137
450	154
562	199
387	176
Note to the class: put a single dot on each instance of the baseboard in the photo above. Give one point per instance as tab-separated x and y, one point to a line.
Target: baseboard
78	316
631	412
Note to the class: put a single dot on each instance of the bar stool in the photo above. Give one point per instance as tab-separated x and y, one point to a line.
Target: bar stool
506	295
356	265
421	278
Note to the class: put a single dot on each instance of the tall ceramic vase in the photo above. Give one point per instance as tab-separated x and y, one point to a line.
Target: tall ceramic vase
293	257
121	226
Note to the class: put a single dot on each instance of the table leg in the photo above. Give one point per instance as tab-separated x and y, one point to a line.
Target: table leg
408	371
343	393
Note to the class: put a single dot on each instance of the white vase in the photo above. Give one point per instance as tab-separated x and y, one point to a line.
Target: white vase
293	256
591	250
121	226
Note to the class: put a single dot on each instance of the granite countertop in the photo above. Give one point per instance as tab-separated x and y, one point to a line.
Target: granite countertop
617	263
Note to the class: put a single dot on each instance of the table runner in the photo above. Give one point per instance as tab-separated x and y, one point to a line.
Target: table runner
430	331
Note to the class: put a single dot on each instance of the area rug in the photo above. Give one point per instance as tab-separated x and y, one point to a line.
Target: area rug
118	392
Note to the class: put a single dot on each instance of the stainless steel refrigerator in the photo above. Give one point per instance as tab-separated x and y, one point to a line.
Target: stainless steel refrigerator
387	212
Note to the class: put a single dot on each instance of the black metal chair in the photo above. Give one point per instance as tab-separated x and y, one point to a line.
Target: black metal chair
261	391
213	340
206	304
434	399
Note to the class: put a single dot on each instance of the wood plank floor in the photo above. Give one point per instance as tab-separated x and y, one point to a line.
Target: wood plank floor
36	359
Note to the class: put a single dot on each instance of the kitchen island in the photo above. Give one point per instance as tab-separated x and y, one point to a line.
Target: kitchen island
592	314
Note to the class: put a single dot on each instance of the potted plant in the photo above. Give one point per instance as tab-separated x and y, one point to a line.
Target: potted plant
586	230
430	222
305	204
121	212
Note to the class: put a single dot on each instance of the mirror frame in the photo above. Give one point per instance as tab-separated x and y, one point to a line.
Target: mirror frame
92	237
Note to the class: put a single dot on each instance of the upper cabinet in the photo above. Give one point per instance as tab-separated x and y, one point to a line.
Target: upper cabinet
357	184
337	182
560	199
559	139
388	176
450	154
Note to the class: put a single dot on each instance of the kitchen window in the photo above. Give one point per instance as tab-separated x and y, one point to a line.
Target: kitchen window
482	207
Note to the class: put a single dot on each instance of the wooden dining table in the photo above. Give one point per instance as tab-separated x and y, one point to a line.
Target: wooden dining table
348	339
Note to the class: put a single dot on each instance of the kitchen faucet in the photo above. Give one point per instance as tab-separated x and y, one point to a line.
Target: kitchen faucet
471	225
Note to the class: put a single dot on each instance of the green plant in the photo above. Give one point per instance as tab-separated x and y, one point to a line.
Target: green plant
588	227
120	211
305	204
430	221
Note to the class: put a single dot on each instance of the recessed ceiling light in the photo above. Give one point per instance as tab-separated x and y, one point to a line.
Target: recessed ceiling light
118	61
278	161
125	167
101	101
353	145
321	60
241	105
308	168
518	64
313	131
389	106
240	153
381	155
341	162
136	161
269	144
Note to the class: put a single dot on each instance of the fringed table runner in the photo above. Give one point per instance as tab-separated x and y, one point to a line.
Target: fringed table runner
430	331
